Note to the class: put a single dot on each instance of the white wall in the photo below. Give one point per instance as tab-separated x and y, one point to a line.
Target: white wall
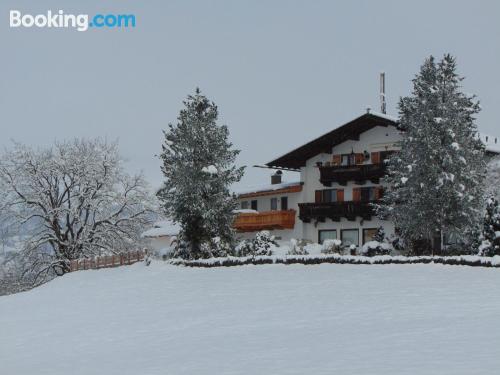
160	243
264	204
375	139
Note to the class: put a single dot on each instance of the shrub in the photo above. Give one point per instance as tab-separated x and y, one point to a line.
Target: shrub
297	247
373	248
331	247
260	245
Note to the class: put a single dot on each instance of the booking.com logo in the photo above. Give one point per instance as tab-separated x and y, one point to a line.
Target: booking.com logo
80	22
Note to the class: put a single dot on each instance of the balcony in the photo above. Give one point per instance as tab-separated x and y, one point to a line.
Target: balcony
335	211
266	220
358	173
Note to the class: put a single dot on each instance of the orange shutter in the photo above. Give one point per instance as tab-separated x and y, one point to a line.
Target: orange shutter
317	196
340	195
377	193
375	157
359	158
380	192
336	159
356	194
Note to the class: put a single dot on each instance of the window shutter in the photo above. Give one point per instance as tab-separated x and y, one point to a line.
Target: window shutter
356	194
379	192
340	195
375	157
317	196
336	159
359	158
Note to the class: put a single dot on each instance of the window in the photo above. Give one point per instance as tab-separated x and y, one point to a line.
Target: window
450	239
284	203
367	194
274	204
350	237
330	234
254	205
348	159
368	234
244	205
329	195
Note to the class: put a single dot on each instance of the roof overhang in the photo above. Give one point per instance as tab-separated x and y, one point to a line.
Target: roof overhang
297	158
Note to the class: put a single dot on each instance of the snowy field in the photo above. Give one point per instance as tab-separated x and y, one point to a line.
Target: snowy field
275	319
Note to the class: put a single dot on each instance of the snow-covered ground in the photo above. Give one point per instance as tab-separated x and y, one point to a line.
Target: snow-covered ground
275	319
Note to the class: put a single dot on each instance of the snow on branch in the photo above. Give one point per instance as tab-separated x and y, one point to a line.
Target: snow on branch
75	198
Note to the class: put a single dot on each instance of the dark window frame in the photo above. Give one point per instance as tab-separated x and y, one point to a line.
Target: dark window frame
351	160
284	199
252	205
363	234
347	230
275	201
326	230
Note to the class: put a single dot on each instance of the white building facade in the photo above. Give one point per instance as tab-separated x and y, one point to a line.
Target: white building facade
341	176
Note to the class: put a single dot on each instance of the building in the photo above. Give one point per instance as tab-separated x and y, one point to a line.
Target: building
161	235
340	176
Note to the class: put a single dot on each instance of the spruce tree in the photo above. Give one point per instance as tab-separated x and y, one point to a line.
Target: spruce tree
198	164
435	181
380	235
491	227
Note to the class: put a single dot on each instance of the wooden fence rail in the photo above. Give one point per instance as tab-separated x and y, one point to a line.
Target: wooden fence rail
107	261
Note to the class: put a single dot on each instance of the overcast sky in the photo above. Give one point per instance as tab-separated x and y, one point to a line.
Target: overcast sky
281	72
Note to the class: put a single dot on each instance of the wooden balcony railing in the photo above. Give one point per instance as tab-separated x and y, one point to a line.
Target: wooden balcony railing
359	173
267	220
336	210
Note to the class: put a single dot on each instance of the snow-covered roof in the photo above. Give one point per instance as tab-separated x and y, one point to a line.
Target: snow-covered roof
268	188
491	143
162	229
245	211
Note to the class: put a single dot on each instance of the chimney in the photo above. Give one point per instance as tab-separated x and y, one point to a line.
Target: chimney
382	93
276	178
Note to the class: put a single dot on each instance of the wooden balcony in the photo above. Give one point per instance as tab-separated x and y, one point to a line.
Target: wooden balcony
336	210
358	173
266	220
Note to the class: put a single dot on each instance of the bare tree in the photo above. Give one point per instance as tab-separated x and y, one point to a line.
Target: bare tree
76	200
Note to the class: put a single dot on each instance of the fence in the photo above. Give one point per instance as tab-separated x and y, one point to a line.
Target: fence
107	261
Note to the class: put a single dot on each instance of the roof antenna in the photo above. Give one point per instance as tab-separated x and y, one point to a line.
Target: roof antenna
382	93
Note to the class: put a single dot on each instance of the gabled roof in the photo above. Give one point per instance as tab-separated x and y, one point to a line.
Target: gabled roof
162	229
283	188
350	131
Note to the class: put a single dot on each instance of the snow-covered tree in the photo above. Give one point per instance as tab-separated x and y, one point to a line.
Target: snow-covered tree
198	163
491	229
436	180
492	182
380	235
73	200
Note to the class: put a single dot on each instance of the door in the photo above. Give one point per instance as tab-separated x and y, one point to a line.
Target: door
284	203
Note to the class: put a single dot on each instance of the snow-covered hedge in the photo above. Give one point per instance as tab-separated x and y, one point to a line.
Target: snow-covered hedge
465	260
373	248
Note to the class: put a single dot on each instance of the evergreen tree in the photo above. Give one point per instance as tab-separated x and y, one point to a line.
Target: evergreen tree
198	163
491	226
380	235
435	181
